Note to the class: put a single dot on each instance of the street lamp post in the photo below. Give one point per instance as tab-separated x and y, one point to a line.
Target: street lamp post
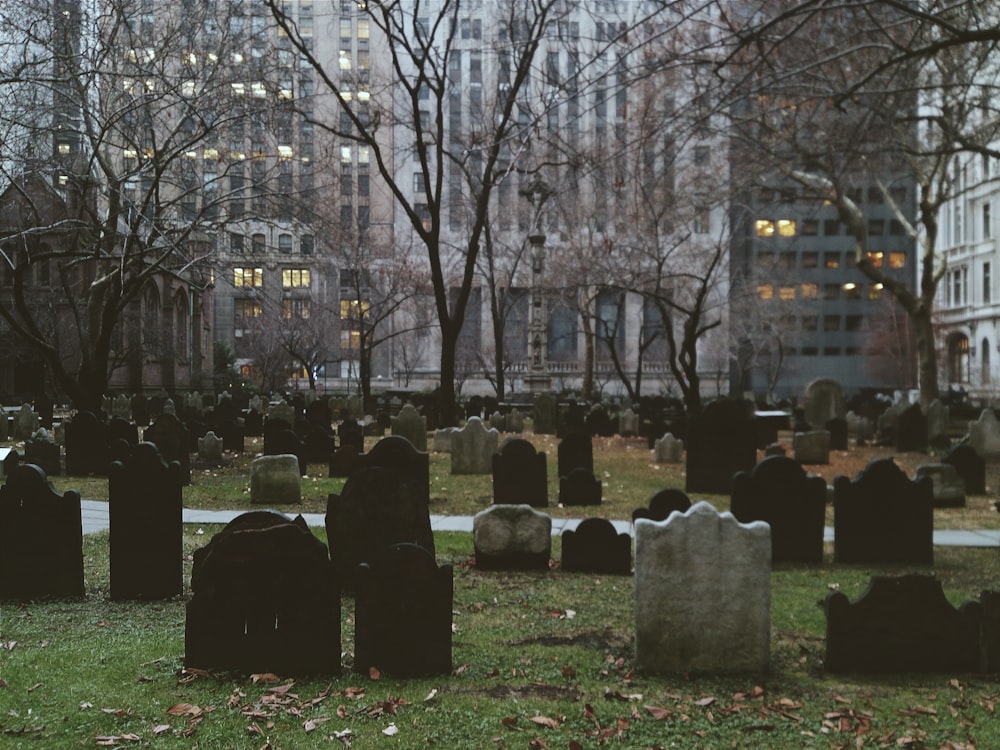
538	379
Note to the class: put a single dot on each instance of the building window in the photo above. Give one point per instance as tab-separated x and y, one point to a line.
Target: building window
852	290
257	243
786	293
245	311
285	243
831	227
810	291
295	278
810	227
876	258
987	223
764	227
875	291
307	244
295	308
831	291
810	322
987	283
810	259
831	322
786	227
248	277
897	260
701	219
831	260
765	291
854	323
237	242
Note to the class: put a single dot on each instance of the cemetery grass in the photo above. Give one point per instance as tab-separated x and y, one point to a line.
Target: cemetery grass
540	660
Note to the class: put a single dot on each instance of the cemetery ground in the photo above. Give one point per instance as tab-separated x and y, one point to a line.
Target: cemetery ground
540	659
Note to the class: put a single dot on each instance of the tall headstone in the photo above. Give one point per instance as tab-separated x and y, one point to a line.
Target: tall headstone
26	422
984	434
911	430
575	450
823	401
938	425
473	448
544	414
702	593
720	441
520	475
411	425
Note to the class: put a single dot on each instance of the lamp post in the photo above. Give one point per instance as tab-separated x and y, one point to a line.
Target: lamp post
538	379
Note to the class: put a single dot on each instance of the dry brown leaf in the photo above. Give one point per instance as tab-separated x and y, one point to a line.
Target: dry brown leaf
373	673
264	678
703	702
161	728
658	713
183	709
545	721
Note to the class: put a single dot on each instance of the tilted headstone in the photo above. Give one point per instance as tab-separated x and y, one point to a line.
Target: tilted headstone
41	537
253	614
210	447
376	508
595	546
780	493
575	450
442	439
628	424
26	422
403	613
171	438
275	479
823	401
882	517
512	537
901	624
668	450
949	487
473	448
970	466
702	593
145	507
580	487
544	414
86	445
520	475
662	504
721	440
811	447
984	434
411	425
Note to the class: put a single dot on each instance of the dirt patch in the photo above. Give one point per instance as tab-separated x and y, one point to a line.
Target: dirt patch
606	640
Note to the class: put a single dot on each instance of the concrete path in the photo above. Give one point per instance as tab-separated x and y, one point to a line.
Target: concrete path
95	518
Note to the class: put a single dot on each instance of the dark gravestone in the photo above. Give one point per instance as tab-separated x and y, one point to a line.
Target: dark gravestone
119	449
171	439
779	492
45	454
225	409
302	426
274	425
575	451
378	507
662	504
319	415
41	538
474	407
599	424
596	547
579	487
232	434
343	462
520	475
990	601
403	620
140	410
837	427
350	433
119	428
901	624
911	430
398	455
196	428
86	445
44	408
146	519
572	419
970	466
318	445
265	599
253	423
882	517
720	442
281	442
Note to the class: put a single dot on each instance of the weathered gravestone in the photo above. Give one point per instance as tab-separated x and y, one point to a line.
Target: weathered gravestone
575	451
318	445
702	593
901	624
515	421
403	613
376	508
512	537
281	410
938	425
442	439
411	425
275	479
911	430
210	447
498	421
628	424
147	527
41	538
121	407
544	414
398	455
520	475
824	400
86	445
882	517
720	441
26	423
41	451
580	487
473	448
171	439
949	487
668	450
888	422
595	546
970	466
319	415
285	442
662	504
811	447
780	493
984	435
861	427
253	614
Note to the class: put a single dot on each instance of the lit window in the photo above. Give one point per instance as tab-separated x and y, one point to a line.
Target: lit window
831	260
352	309
295	278
875	291
248	277
765	228
765	291
190	58
363	155
897	260
131	153
786	227
64	179
284	153
876	258
786	292
852	290
295	308
345	154
810	291
210	153
187	88
364	96
258	89
239	89
238	58
63	148
345	59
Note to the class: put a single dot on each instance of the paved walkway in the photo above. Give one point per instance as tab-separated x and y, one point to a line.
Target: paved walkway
95	518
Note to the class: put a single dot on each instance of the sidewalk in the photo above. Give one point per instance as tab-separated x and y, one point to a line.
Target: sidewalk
95	518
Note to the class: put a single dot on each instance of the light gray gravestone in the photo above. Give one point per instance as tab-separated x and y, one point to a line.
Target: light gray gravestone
628	424
949	486
472	448
668	450
824	400
210	447
515	421
275	479
442	439
512	537
411	425
26	422
984	435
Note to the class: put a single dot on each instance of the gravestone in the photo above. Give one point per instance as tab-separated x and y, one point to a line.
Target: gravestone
861	427
226	409
888	422
319	415
911	430
572	419
140	410
442	439
721	440
343	462
575	451
349	432
171	438
882	517
970	466
121	407
122	429
662	504
86	445
41	537
168	407
41	451
628	424
232	434
984	435
26	422
938	425
398	455
253	616
194	402
403	613
811	447
702	593
595	546
284	442
823	401
780	493
544	414
145	507
599	423
411	425
257	404
253	423
210	447
580	487
668	450
376	508
283	411
318	445
275	479
990	635
44	408
515	421
949	487
512	537
474	407
498	421
473	448
901	624
520	475
838	433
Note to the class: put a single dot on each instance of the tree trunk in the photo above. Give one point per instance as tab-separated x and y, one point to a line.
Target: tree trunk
447	402
588	358
926	357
